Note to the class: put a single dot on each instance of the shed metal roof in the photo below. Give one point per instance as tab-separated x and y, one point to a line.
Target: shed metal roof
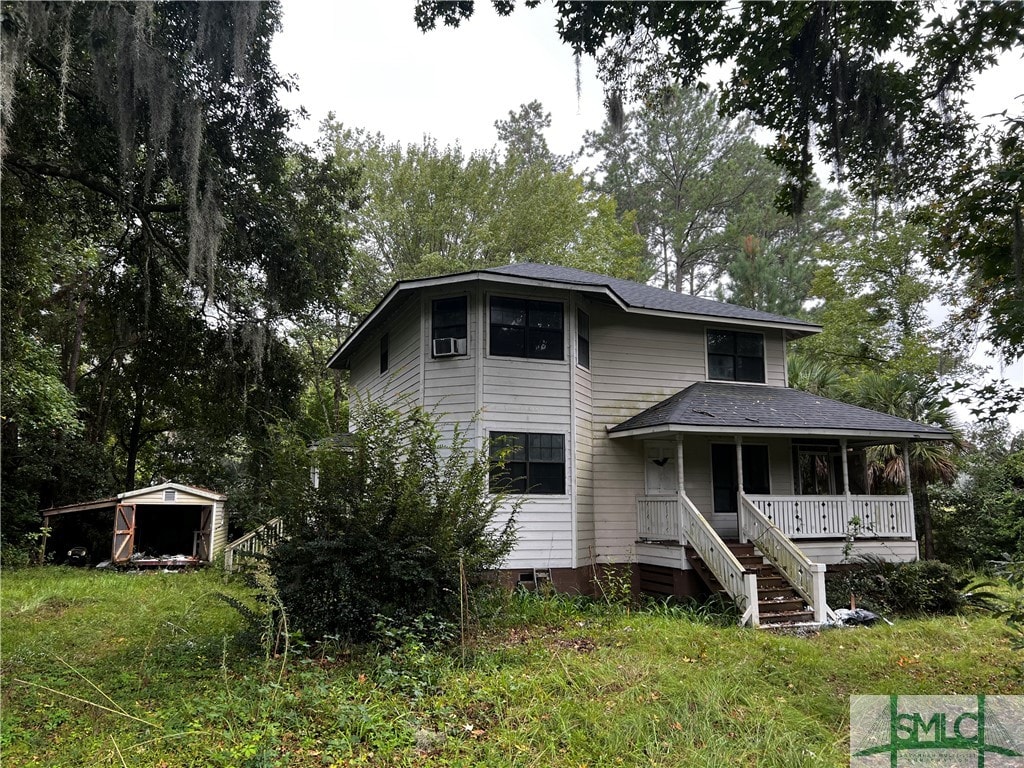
761	409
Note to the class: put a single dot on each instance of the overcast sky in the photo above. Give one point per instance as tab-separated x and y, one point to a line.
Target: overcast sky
366	61
369	64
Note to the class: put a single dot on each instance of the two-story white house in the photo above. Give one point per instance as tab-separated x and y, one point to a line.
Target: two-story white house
633	413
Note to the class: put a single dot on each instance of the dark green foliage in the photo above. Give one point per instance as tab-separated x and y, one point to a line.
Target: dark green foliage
820	76
899	589
162	238
396	520
980	519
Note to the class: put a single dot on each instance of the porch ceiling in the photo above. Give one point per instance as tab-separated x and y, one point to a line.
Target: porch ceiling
709	407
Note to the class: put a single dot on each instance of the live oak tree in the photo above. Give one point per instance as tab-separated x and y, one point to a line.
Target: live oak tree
167	233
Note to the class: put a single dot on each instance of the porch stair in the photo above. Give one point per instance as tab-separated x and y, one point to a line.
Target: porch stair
777	601
253	544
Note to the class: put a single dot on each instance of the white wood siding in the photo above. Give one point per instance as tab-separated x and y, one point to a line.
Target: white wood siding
450	383
636	362
523	395
584	463
775	359
831	552
403	375
219	521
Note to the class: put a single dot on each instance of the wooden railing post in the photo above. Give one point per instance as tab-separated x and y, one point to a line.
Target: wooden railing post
820	605
752	613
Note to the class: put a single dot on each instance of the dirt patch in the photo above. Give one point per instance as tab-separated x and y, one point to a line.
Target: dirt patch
578	644
52	607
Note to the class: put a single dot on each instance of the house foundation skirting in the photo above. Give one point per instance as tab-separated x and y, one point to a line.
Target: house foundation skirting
603	579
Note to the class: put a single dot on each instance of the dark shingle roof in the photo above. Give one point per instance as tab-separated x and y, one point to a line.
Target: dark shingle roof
641	296
633	296
757	408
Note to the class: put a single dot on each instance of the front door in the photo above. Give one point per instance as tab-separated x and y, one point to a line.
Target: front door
660	473
725	482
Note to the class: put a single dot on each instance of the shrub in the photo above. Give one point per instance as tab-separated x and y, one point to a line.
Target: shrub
921	587
398	518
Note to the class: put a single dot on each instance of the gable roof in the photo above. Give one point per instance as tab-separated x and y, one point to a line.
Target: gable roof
629	296
759	409
189	492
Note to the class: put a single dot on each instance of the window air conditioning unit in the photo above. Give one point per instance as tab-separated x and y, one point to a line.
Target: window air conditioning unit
449	347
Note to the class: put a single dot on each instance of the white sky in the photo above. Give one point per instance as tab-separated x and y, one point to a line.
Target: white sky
369	64
366	61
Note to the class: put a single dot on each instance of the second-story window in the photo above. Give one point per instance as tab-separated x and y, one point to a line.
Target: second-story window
448	326
526	328
582	338
384	353
735	356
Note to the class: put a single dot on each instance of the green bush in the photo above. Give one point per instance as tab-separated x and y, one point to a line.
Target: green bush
902	589
400	516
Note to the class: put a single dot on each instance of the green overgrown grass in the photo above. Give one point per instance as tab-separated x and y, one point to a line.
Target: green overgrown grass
542	682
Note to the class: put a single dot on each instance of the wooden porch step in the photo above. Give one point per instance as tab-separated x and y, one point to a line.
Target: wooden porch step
789	617
778	603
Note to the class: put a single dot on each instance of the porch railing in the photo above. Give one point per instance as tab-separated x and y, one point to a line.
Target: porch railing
657	518
839	517
805	576
258	542
740	583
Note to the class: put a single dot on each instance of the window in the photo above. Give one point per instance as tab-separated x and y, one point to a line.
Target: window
384	342
817	470
448	319
534	463
524	328
735	356
723	474
582	338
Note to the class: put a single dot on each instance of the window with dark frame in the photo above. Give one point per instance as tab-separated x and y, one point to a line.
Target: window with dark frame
526	328
532	463
756	474
582	338
448	319
384	361
735	356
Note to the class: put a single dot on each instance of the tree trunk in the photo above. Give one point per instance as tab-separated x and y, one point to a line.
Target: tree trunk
134	441
925	508
76	346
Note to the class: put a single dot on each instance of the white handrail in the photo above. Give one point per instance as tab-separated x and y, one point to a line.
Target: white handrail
255	542
839	517
740	583
805	576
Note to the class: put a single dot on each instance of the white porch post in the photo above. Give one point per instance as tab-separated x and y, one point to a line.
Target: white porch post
679	501
910	494
846	478
741	528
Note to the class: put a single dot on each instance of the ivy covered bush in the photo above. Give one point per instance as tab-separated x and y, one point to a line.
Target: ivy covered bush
402	512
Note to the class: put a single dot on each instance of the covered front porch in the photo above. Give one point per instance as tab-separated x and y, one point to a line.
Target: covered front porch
784	470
